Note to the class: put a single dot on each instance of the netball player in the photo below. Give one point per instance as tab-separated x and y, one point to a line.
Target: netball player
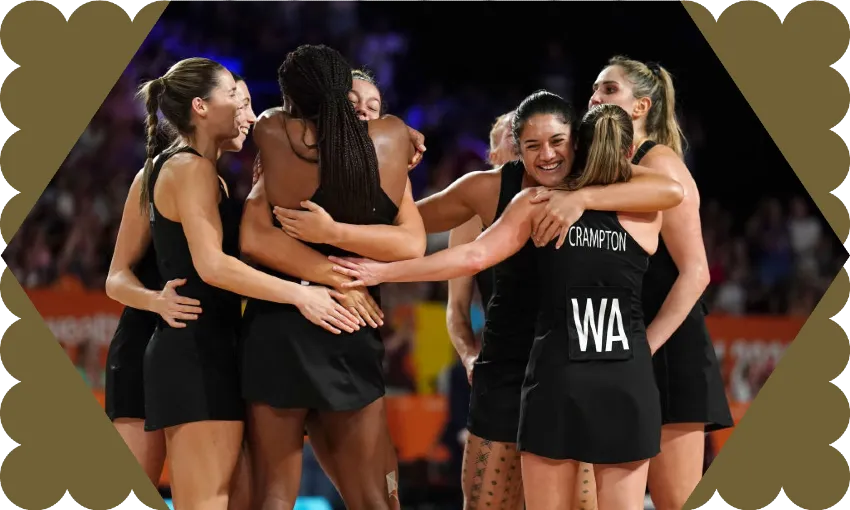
132	278
693	398
289	366
190	374
266	244
590	367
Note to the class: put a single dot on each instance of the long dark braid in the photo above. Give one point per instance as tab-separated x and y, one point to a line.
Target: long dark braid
317	79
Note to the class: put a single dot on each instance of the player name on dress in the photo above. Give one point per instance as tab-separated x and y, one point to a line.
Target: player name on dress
586	237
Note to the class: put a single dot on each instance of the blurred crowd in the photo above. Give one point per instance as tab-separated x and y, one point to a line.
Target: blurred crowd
779	259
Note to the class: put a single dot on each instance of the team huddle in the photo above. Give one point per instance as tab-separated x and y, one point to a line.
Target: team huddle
595	376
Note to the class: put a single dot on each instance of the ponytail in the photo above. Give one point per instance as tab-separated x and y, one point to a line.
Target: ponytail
667	130
604	139
150	92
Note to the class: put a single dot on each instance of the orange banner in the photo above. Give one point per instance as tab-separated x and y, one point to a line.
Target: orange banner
748	349
77	315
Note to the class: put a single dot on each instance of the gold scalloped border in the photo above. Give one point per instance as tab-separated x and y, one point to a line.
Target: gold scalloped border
784	440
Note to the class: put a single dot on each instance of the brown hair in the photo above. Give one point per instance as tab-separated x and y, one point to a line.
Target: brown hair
172	94
653	81
605	137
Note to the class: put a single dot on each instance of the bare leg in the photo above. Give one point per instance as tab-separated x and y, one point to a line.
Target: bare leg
492	475
321	448
675	472
202	461
549	484
276	437
240	489
351	437
147	447
621	486
585	491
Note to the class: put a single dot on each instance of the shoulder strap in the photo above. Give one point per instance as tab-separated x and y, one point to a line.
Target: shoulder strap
511	184
642	150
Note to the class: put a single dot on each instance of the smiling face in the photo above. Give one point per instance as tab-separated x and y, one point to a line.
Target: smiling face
245	119
219	113
366	99
546	148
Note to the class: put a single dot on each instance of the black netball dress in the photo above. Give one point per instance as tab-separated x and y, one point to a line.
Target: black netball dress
686	368
499	371
484	282
290	363
191	373
590	392
125	391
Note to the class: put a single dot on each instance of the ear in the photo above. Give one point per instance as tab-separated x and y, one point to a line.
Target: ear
199	106
631	153
641	108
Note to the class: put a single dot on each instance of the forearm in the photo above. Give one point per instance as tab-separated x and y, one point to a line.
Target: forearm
123	286
644	193
683	295
442	217
272	248
460	331
465	260
229	273
385	243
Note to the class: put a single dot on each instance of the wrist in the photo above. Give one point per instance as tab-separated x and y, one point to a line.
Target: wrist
336	233
583	197
152	301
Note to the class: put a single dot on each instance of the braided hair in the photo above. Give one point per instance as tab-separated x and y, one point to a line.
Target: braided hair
316	79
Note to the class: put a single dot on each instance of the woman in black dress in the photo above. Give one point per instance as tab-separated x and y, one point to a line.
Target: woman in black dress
589	393
132	280
315	151
191	384
693	396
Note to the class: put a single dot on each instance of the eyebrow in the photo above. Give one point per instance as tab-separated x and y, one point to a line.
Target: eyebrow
607	82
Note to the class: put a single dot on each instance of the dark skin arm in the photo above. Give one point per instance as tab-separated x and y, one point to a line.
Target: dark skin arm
264	243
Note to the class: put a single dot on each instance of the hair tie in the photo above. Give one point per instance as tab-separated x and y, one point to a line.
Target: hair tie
654	68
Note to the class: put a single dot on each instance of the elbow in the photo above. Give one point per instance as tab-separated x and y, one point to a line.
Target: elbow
416	248
247	242
475	261
700	277
675	193
111	287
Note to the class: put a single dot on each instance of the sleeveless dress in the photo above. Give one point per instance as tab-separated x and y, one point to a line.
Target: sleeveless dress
686	367
191	373
589	393
290	363
125	391
497	377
